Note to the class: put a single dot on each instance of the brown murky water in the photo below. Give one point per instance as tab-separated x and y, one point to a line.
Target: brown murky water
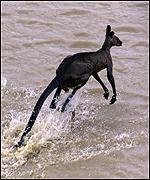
102	141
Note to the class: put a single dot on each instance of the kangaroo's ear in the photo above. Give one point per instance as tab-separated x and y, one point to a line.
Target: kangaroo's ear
111	34
108	29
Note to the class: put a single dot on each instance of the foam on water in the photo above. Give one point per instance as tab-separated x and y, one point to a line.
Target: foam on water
53	132
50	126
3	81
3	84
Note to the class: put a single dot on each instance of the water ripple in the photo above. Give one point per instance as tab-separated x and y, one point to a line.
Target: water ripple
83	44
77	12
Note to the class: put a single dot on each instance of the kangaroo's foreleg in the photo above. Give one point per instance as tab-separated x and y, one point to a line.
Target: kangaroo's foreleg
106	93
112	82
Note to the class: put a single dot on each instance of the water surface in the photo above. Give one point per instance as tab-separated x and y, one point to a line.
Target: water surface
102	141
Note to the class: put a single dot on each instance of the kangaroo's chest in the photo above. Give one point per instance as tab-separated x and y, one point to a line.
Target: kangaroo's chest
102	61
100	64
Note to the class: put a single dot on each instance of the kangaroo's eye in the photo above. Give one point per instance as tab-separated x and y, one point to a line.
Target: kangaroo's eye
118	40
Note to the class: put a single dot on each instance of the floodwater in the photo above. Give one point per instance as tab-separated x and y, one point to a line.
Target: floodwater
102	141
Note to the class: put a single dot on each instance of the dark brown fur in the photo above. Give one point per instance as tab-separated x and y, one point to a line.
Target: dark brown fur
74	72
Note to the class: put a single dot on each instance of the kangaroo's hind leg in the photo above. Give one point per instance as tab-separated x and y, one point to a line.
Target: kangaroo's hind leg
57	94
70	97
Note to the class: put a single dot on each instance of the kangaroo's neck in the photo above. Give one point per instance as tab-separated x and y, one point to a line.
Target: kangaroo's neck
106	52
107	44
106	47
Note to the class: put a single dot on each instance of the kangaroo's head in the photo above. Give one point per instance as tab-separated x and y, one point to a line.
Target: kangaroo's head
111	39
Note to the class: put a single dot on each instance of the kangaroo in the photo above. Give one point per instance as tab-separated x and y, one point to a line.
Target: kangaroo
73	73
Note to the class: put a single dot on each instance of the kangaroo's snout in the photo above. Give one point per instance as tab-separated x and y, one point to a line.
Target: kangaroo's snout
119	44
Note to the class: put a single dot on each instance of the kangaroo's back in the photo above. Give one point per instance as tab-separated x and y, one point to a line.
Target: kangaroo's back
74	61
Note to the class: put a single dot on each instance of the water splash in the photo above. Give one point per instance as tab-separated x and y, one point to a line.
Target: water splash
62	139
50	126
3	81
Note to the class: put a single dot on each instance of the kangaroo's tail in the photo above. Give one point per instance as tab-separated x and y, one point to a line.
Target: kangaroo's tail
53	85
